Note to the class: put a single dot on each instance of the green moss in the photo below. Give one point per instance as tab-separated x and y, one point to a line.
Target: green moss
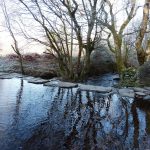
129	78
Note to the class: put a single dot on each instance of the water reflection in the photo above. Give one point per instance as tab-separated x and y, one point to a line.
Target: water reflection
50	118
18	103
89	120
136	125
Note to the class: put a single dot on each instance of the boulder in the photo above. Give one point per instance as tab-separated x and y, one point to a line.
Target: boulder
102	61
144	74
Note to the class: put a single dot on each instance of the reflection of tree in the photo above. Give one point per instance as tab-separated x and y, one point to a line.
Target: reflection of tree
18	102
148	122
125	132
14	127
136	125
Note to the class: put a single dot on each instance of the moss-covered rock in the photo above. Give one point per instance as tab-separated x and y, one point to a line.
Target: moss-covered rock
129	77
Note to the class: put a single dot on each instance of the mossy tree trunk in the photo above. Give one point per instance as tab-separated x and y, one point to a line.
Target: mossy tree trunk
141	52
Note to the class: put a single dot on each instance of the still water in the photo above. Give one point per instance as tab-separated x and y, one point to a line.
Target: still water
35	117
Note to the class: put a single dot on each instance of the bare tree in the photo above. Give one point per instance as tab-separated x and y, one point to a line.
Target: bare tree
68	25
108	20
10	29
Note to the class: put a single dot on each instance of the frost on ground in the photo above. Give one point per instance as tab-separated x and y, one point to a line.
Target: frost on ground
40	66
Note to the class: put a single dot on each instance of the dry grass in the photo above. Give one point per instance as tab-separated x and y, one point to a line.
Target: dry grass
34	64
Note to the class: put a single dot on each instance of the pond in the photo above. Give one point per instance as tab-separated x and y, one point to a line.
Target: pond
36	117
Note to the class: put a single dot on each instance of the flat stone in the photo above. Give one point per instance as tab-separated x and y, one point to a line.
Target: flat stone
61	84
16	75
126	93
67	85
6	77
28	78
147	98
140	93
10	75
3	73
101	89
147	88
33	79
52	83
38	81
136	89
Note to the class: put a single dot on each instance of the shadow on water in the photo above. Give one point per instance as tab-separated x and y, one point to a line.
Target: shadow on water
51	118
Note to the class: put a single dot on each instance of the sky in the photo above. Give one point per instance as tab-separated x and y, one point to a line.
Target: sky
25	46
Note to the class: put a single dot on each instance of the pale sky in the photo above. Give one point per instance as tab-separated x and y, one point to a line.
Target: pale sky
6	40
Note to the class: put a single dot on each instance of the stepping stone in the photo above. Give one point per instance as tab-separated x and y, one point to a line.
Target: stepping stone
3	73
61	84
52	83
33	79
147	98
6	77
126	93
16	75
67	85
38	81
136	89
28	78
147	88
101	89
139	95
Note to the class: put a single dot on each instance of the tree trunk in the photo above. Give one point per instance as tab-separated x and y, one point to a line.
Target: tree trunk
87	63
118	54
21	64
141	53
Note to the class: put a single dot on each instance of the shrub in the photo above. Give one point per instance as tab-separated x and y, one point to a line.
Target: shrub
28	57
48	56
129	77
12	56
